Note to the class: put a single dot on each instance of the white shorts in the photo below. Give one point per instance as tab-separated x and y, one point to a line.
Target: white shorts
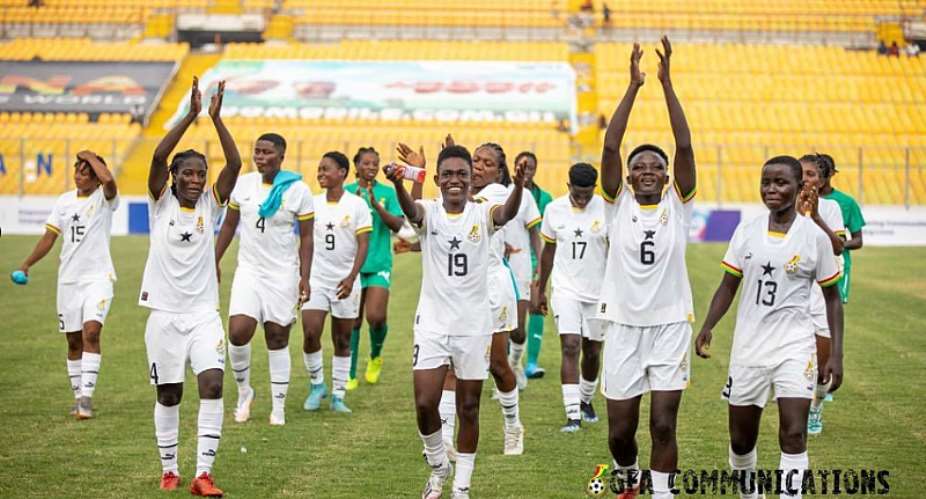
468	356
326	299
818	311
173	340
264	298
83	302
639	359
572	317
521	268
502	300
792	378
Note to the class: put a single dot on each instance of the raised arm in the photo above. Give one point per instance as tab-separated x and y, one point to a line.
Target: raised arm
102	173
408	155
229	174
809	205
413	211
720	303
510	209
611	170
159	173
684	164
393	222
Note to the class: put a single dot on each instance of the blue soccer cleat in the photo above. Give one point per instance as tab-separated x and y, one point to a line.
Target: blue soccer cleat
338	405
533	371
316	394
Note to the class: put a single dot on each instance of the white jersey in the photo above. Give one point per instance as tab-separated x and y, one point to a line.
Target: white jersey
832	217
517	235
84	224
337	225
581	238
454	296
646	261
778	271
269	246
180	272
493	194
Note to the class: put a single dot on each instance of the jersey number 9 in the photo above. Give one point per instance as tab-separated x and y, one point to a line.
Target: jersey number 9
329	242
457	265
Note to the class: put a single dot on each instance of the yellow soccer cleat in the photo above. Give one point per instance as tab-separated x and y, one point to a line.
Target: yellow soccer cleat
352	384
374	368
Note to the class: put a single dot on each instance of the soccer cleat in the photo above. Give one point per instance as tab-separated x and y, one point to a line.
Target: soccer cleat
519	376
374	368
352	384
588	413
533	371
338	405
434	487
84	408
243	409
571	426
815	421
170	481
629	493
204	486
461	494
277	418
316	394
514	440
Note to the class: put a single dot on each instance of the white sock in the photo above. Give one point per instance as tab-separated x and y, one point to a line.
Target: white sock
509	402
571	401
74	376
819	393
629	474
210	431
340	370
315	366
167	433
746	466
661	488
241	366
517	351
89	370
280	367
587	389
434	450
448	414
789	463
465	464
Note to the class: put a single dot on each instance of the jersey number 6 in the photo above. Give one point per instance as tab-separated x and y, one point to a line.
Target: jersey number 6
647	255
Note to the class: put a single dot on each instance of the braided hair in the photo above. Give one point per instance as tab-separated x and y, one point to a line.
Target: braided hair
361	152
505	178
178	159
823	162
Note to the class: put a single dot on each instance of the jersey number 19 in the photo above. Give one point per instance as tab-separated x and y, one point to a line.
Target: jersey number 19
457	265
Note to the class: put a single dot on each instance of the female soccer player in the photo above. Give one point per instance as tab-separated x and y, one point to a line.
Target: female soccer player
852	220
535	322
342	227
778	258
648	312
273	269
576	250
825	214
376	273
180	286
85	271
453	323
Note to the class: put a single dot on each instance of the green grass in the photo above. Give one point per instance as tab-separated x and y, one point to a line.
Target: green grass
877	420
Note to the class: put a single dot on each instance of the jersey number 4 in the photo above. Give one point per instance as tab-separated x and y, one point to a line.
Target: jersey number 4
770	288
457	265
261	222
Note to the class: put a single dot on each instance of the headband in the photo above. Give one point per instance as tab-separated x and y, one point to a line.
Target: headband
662	160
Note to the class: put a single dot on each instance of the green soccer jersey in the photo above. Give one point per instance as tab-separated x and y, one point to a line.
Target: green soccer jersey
379	254
854	221
542	198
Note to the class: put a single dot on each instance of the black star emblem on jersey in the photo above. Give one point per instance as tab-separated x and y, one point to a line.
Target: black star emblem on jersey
649	234
329	226
767	269
578	232
186	237
75	218
455	243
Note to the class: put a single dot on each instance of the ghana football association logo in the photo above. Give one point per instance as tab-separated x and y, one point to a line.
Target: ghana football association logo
598	484
791	266
345	222
474	233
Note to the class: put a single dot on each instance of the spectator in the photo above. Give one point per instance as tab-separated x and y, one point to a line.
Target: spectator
894	51
882	48
606	15
913	50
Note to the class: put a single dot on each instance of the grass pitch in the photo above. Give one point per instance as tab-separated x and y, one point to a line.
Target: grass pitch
876	422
